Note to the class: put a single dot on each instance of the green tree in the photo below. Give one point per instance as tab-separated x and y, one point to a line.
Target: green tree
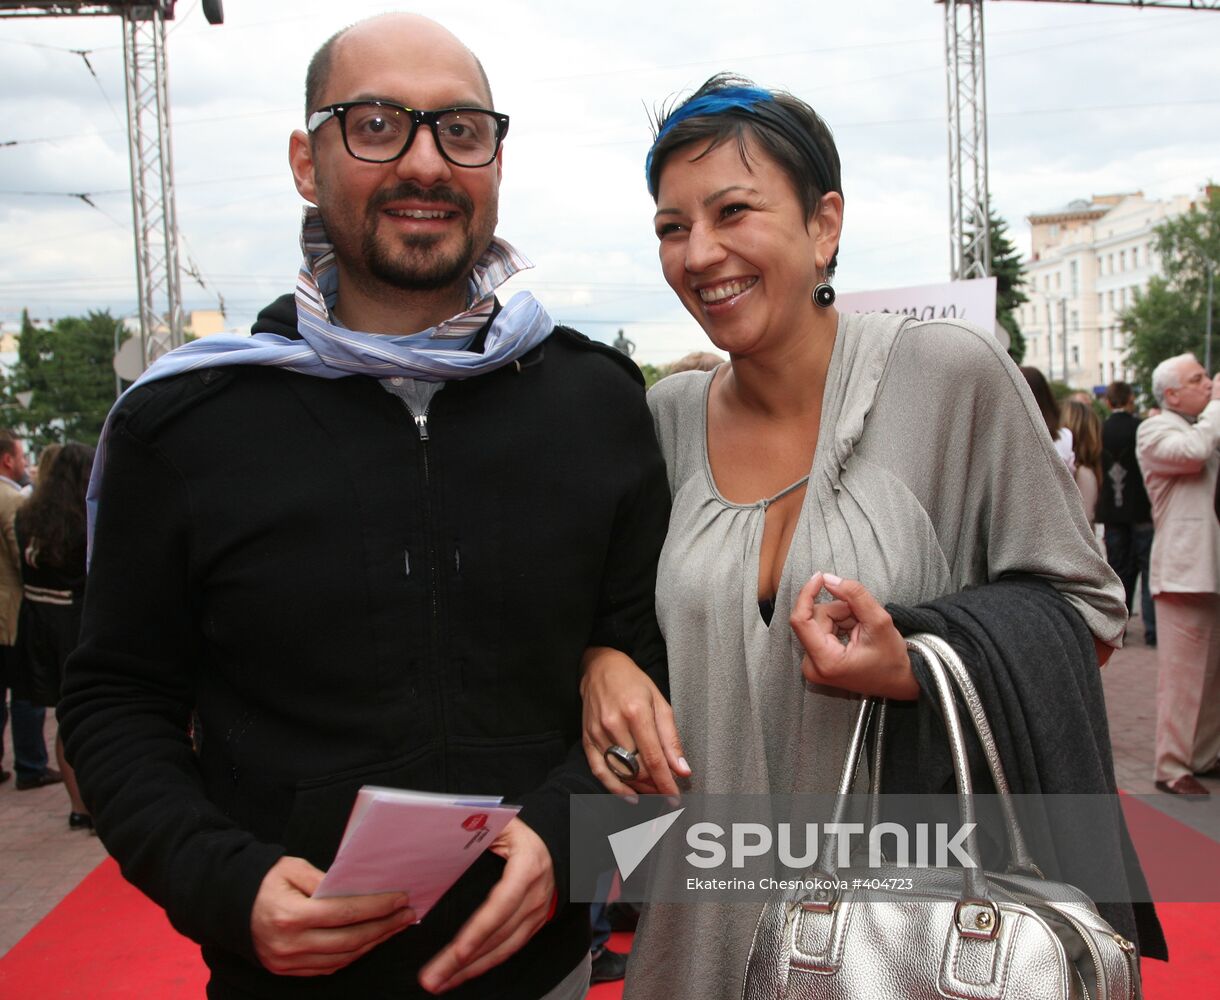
1170	316
1009	272
1163	322
652	375
62	385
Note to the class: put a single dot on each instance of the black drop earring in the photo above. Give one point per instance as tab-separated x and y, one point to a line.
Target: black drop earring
824	294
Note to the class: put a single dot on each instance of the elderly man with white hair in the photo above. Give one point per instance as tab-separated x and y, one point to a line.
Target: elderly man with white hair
1179	454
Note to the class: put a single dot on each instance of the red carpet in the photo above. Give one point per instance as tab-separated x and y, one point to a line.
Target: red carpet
106	940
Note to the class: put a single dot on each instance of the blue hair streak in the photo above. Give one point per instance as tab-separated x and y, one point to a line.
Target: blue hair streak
758	106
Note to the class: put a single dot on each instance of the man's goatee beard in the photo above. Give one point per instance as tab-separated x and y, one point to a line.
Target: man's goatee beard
421	271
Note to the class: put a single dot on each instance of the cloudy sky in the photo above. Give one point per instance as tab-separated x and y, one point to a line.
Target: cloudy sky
1083	100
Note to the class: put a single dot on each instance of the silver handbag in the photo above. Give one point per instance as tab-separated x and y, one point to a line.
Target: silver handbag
955	932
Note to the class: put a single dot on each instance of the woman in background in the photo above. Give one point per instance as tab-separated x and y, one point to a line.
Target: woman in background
51	538
1060	435
1083	423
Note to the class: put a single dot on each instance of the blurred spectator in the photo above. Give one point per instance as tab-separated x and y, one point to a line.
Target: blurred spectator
1085	427
50	530
1179	453
1060	435
696	361
608	965
29	747
1122	504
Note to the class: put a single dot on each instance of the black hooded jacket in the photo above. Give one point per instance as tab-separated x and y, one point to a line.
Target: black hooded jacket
340	599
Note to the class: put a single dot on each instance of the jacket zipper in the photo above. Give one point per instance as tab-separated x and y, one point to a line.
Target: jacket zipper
421	425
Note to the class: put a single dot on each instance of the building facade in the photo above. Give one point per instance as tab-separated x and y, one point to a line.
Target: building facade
1088	261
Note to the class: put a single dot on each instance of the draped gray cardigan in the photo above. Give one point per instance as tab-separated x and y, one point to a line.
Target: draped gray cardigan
933	472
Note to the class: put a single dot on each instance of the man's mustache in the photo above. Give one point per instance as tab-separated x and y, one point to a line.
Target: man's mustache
407	191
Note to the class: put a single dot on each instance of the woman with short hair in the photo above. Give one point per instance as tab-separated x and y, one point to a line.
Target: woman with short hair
836	462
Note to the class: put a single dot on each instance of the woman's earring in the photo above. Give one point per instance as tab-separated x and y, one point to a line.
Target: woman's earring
824	295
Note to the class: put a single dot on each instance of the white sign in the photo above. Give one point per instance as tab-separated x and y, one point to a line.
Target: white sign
972	301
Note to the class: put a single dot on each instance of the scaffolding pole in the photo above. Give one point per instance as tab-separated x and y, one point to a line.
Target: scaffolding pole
969	201
153	208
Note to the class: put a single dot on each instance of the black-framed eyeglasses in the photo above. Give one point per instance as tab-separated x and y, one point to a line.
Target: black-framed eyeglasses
378	132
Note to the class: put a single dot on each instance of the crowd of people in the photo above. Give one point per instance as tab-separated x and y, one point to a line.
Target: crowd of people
519	575
42	584
1150	485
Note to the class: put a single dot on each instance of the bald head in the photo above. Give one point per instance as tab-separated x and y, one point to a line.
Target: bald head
418	29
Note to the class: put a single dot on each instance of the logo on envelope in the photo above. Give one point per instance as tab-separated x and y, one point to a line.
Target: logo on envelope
476	824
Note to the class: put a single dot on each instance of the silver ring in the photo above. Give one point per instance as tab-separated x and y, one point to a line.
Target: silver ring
622	762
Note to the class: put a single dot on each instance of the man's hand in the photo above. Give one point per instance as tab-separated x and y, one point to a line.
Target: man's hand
622	706
873	662
295	935
512	913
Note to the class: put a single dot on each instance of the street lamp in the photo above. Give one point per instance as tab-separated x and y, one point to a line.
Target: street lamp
1050	335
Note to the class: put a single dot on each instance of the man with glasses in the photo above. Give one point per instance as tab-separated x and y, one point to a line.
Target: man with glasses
367	545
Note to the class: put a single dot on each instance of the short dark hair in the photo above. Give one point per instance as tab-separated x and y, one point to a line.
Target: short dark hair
790	132
1119	394
318	73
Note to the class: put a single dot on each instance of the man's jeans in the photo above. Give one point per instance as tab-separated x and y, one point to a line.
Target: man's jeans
29	747
1129	553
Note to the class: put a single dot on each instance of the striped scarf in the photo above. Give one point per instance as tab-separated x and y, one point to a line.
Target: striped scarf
329	350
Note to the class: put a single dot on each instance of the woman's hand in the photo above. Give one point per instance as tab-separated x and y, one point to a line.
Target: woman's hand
623	707
873	662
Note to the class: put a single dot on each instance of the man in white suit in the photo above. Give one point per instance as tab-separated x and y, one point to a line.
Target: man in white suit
29	746
1179	453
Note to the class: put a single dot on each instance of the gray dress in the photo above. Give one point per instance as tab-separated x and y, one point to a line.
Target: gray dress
933	472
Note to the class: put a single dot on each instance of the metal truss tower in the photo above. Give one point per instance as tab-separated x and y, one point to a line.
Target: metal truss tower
969	228
153	204
969	231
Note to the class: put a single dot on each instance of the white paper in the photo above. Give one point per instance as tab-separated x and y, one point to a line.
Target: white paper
419	843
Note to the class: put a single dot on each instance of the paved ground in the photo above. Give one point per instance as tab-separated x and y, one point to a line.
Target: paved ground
41	860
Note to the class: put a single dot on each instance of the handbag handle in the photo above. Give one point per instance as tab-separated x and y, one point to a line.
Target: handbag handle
976	914
1020	859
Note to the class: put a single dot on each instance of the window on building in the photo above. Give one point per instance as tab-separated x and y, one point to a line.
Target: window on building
1075	356
1075	272
1100	302
1135	258
1058	280
1122	260
1075	321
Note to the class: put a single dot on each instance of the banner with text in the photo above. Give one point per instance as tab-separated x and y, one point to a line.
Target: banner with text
972	301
